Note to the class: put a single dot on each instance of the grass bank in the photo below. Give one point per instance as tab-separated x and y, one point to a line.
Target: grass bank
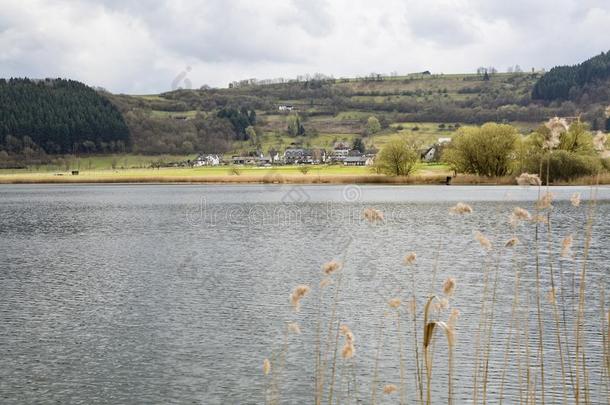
425	174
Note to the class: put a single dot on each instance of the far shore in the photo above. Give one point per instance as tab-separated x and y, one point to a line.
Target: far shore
278	178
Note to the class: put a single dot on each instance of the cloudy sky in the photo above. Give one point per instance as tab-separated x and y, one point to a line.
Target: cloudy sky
142	46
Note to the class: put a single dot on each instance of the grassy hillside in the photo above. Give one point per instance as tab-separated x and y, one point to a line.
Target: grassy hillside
246	119
420	107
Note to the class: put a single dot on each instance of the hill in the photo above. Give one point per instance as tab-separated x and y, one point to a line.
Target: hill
63	116
584	83
58	116
186	121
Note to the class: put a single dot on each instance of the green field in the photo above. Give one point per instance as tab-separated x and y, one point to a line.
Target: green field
228	170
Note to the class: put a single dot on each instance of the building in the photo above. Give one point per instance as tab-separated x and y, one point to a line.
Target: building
356	161
318	155
244	160
264	161
206	160
433	153
340	151
297	156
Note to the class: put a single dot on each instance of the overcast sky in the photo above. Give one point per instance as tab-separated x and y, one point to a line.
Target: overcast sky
143	46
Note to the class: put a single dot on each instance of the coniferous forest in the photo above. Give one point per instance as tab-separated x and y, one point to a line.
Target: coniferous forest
573	82
58	116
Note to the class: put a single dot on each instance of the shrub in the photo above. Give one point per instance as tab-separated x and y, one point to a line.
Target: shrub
397	158
372	126
486	151
563	165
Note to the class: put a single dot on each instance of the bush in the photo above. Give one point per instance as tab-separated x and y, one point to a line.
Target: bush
397	158
486	151
564	165
372	126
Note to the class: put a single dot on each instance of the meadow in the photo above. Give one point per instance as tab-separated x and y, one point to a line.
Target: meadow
434	173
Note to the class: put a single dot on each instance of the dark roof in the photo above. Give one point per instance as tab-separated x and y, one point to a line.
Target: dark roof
356	159
297	152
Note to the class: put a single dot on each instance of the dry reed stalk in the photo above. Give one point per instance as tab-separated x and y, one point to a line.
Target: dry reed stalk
481	327
403	386
329	269
554	305
376	367
487	351
418	365
526	328
318	353
435	266
277	371
542	203
513	325
564	318
582	297
331	323
605	328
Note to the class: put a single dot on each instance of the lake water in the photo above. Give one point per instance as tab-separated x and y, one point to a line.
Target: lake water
175	294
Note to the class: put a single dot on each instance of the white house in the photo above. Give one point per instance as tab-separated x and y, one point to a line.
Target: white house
206	160
285	108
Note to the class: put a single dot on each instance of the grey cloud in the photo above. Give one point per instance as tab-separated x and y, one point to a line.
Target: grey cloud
313	17
137	46
443	29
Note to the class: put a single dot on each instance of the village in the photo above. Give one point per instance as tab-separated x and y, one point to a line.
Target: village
342	153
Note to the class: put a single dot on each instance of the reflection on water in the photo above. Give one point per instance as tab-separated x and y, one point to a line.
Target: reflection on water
175	294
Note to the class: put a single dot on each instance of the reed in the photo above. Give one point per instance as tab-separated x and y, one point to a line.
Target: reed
546	359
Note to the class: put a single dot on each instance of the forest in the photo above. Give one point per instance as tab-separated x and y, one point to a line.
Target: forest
58	116
582	83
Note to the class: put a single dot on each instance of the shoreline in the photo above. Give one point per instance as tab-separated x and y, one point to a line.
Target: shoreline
604	179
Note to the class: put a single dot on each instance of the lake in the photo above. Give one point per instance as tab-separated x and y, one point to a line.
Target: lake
176	293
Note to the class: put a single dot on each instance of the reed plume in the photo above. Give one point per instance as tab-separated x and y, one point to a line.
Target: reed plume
519	215
556	126
394	303
373	215
297	295
545	201
575	199
527	179
482	239
512	242
409	259
566	246
266	366
461	209
331	267
449	286
348	345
